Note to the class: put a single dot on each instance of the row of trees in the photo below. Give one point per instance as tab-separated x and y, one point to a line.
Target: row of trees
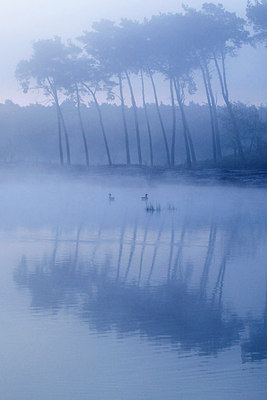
169	46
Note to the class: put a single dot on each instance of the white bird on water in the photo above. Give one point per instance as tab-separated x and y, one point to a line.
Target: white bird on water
110	197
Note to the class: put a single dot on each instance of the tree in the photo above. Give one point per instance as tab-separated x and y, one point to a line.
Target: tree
257	15
172	56
253	130
228	34
75	68
45	69
95	80
201	31
107	44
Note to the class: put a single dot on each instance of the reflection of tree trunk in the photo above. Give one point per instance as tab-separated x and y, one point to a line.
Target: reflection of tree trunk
219	283
128	158
177	261
101	123
160	119
120	252
171	253
135	120
76	254
209	255
218	289
131	253
155	253
142	255
82	127
265	311
173	124
147	120
98	241
54	253
225	94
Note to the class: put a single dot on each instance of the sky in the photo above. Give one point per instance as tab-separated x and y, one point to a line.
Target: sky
24	21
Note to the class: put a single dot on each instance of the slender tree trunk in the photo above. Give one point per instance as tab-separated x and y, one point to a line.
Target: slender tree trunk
223	83
214	150
192	148
160	119
187	148
102	128
66	135
190	141
135	120
59	138
101	122
173	124
215	116
82	127
147	121
126	136
54	94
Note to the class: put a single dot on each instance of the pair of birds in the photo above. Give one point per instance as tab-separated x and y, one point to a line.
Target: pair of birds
112	198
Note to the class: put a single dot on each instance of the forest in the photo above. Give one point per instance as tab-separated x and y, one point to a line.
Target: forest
97	88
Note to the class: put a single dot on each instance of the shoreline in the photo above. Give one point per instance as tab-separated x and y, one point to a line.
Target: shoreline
178	174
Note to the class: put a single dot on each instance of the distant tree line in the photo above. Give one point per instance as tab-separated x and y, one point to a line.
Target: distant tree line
29	133
112	57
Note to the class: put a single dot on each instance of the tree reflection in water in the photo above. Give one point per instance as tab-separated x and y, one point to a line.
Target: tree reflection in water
170	310
254	348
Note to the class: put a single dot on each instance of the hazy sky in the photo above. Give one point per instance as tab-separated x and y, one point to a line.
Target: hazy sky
24	21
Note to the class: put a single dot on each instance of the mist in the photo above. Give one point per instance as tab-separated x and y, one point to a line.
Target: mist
133	191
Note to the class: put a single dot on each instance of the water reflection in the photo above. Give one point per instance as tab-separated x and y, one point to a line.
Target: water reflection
254	348
161	279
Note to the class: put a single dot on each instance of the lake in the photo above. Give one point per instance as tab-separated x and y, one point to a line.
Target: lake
132	299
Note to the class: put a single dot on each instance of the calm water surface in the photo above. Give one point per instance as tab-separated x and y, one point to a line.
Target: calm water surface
106	300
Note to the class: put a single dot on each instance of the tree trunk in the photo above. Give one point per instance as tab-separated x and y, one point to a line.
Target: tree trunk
82	127
223	83
59	138
54	94
135	120
214	150
215	116
173	124
160	119
128	158
103	129
66	135
147	121
101	122
190	141
187	148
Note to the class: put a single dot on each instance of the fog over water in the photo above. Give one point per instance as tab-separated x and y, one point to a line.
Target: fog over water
133	192
132	299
